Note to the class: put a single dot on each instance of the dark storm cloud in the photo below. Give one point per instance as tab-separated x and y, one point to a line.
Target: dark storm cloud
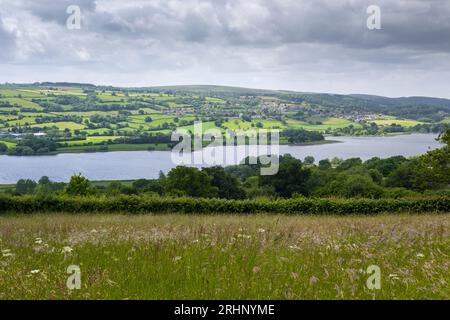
319	45
419	24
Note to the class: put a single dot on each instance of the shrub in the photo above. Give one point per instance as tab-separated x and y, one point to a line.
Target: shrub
144	204
79	186
3	147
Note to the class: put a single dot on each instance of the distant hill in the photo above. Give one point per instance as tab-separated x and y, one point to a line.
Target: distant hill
205	89
63	84
405	101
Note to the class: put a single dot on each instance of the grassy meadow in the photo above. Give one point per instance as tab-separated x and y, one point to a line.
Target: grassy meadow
224	257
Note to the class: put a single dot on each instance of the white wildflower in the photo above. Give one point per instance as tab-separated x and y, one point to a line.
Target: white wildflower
393	276
67	250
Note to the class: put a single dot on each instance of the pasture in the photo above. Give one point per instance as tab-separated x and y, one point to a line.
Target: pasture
402	122
224	257
72	113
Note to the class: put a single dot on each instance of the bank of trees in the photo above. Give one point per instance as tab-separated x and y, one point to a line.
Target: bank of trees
31	145
294	136
43	187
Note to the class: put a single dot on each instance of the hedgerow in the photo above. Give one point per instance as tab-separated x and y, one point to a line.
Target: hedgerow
141	204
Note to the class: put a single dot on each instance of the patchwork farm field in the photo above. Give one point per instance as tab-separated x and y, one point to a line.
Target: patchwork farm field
76	115
402	122
224	257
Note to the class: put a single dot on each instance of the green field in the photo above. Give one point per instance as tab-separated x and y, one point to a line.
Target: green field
224	257
326	123
114	147
8	144
61	125
72	113
23	103
402	122
92	140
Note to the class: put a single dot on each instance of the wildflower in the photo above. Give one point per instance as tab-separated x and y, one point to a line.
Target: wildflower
261	230
313	280
38	241
393	276
35	271
67	250
256	269
294	247
6	253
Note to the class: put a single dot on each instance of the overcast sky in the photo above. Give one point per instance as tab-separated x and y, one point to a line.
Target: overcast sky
302	45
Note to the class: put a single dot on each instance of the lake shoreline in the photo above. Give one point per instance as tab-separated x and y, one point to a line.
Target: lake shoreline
83	149
131	165
140	147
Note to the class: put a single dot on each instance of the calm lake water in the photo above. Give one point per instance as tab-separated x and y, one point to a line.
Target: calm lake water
147	164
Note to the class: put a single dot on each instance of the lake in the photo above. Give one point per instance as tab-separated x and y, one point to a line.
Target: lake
147	164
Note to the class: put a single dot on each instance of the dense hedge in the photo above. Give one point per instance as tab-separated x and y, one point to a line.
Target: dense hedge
136	204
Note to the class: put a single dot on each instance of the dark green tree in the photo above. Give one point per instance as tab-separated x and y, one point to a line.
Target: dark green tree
228	186
349	163
324	164
79	186
351	185
3	147
190	182
291	177
25	186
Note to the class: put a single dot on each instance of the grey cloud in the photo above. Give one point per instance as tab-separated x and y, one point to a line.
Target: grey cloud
280	43
51	10
419	24
6	40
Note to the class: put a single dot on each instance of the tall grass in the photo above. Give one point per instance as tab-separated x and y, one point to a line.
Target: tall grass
224	257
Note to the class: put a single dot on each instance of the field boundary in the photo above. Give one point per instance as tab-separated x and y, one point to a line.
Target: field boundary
161	205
